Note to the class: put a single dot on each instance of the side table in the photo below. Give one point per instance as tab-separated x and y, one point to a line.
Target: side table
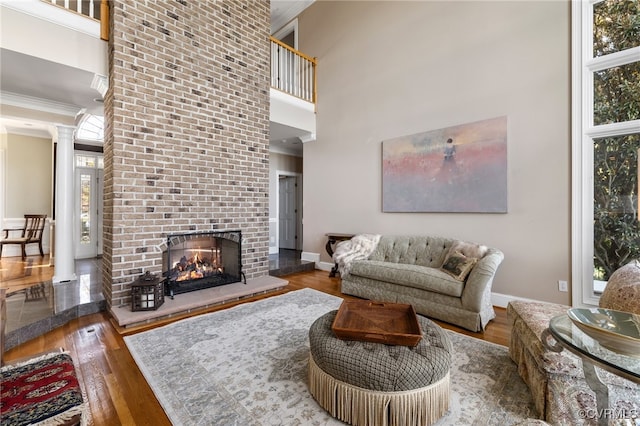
332	239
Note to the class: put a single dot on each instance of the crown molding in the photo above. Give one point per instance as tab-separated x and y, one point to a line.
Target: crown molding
100	84
280	150
311	137
39	104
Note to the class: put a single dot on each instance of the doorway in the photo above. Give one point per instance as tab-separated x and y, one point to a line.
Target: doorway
289	211
89	186
288	34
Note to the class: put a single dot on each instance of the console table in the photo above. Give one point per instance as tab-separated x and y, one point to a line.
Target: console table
332	239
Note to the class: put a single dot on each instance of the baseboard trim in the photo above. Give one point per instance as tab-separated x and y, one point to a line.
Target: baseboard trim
315	257
310	257
502	300
324	266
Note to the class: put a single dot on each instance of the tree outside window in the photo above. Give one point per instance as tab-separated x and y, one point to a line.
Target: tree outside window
616	99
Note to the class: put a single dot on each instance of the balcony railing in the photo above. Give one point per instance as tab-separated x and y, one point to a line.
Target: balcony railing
293	72
90	8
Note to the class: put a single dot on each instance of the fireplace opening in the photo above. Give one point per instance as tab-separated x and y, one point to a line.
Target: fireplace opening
202	260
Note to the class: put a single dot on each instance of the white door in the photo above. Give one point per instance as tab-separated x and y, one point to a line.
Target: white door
88	212
288	211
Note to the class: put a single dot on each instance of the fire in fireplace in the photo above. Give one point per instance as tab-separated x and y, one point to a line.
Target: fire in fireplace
202	260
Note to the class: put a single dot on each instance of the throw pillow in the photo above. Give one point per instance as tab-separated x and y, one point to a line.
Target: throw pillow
458	265
468	249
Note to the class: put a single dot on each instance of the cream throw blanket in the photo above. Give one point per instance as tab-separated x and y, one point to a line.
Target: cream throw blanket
357	248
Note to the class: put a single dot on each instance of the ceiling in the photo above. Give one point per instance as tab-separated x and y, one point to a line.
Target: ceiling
27	81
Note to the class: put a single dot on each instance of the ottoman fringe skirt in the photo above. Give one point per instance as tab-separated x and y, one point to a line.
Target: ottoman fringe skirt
361	407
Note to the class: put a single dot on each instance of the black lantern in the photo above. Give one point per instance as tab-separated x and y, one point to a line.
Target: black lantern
147	293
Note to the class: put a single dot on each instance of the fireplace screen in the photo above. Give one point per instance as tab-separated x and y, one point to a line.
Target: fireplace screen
202	260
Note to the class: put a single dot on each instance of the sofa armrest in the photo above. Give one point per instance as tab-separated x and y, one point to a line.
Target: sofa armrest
477	289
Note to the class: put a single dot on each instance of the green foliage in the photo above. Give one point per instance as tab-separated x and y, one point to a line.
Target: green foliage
616	99
615	225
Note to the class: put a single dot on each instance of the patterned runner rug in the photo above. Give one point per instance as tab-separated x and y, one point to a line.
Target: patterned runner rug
247	365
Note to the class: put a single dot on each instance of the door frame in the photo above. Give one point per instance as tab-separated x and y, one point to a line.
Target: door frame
299	213
291	27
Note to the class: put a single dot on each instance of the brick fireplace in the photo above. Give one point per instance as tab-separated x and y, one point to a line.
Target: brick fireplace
186	134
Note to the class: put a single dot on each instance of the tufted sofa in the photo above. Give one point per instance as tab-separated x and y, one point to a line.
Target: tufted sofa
556	380
410	269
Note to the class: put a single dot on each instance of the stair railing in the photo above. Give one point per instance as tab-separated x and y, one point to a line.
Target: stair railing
292	71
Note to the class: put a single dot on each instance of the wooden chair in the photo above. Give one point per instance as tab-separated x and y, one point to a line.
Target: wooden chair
31	233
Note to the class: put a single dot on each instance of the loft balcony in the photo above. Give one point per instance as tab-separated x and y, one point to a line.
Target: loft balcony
78	23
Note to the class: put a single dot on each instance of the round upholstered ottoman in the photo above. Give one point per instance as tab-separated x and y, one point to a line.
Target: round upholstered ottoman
364	383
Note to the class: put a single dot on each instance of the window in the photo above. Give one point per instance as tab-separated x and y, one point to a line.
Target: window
606	142
90	128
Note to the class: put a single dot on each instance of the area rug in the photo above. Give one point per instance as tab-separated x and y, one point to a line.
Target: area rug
41	391
247	365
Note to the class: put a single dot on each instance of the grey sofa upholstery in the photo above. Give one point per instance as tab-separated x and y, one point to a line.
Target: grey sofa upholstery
407	269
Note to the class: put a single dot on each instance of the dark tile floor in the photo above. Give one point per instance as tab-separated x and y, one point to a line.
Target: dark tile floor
45	306
288	262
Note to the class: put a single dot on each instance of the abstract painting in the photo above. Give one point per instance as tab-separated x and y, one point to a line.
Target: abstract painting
456	169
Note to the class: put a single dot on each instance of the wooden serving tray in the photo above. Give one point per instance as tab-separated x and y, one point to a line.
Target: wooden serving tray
379	322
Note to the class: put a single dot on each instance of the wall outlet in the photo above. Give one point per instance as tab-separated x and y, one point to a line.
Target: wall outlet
562	286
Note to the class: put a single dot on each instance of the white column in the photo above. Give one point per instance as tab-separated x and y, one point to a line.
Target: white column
65	268
3	168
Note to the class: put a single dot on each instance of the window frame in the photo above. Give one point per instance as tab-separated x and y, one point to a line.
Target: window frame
583	66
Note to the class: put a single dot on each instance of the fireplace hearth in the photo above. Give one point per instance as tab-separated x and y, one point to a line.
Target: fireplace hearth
196	261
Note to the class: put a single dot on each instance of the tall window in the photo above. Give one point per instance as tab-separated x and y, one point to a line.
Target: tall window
606	142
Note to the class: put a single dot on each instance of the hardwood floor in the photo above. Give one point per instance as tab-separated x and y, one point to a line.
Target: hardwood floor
115	388
17	274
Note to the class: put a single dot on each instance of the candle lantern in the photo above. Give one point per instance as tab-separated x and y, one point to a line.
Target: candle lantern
147	293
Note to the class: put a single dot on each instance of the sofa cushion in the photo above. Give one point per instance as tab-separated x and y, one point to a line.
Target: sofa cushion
421	277
622	292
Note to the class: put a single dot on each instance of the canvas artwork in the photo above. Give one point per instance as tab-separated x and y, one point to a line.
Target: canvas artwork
456	169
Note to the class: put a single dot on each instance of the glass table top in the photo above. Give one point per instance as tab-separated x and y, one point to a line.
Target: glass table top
570	336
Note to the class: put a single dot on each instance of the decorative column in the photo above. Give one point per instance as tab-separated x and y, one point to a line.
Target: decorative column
65	268
3	166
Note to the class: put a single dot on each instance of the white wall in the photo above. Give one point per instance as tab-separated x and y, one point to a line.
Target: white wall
387	69
291	111
29	172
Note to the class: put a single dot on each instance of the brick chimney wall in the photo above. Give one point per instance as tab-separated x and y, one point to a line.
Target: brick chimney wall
186	134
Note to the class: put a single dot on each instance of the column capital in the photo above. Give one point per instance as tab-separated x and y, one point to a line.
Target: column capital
65	131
